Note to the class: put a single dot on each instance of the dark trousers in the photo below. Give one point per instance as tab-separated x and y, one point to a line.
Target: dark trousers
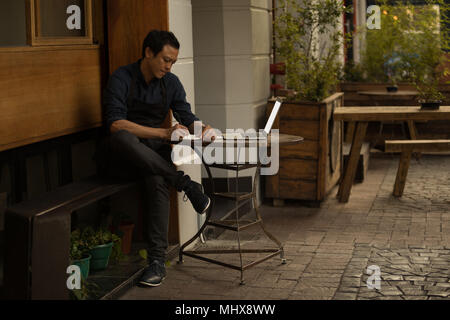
127	157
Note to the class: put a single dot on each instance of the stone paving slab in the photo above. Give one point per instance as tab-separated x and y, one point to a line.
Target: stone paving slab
329	249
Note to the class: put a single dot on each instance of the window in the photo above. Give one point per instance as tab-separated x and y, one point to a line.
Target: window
12	23
59	22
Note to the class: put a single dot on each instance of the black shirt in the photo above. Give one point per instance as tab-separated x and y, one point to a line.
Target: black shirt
116	94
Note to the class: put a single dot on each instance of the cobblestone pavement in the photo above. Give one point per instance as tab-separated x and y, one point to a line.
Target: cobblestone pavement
329	249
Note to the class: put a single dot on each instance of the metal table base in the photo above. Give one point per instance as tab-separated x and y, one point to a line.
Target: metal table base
236	225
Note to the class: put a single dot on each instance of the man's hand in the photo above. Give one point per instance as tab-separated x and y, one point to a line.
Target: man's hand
208	134
177	132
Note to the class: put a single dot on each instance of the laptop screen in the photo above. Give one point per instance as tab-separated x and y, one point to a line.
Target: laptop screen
272	117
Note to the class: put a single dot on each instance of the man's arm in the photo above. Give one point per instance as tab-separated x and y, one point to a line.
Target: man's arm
178	103
147	132
182	109
138	130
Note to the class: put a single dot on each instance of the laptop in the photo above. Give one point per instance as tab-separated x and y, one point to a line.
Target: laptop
242	136
256	135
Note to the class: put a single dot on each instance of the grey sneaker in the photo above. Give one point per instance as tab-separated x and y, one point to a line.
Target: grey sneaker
154	274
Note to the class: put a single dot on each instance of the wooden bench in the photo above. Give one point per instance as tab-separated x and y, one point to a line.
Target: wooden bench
38	238
407	147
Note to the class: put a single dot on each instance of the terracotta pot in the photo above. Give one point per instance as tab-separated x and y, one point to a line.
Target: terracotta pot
127	230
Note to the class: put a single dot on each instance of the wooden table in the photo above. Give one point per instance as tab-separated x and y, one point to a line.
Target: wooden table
400	94
378	96
361	115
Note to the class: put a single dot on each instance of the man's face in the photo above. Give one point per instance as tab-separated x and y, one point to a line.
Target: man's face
162	63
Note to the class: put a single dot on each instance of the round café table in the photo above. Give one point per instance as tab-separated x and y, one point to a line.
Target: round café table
238	223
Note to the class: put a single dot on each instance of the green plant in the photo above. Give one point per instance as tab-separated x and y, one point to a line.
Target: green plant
88	289
383	56
429	91
78	246
312	67
409	47
430	41
99	237
353	72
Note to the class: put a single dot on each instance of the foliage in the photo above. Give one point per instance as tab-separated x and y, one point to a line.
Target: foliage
81	243
353	72
91	238
430	43
99	237
88	288
143	254
78	246
409	47
116	253
312	69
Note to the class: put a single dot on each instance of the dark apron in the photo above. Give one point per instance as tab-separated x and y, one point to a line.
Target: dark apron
145	114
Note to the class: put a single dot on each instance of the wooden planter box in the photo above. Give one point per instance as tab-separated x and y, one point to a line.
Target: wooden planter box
310	169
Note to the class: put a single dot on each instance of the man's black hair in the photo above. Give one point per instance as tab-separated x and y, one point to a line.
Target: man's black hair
157	39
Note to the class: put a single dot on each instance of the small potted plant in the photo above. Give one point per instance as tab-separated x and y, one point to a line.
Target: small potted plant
101	244
79	253
429	96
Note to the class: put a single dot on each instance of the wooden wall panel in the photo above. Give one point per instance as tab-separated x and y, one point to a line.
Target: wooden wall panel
48	92
129	21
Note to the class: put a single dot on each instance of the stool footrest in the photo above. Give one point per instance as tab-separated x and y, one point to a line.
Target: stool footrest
231	225
234	195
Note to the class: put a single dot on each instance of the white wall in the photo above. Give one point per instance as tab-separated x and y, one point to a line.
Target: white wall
232	59
180	23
